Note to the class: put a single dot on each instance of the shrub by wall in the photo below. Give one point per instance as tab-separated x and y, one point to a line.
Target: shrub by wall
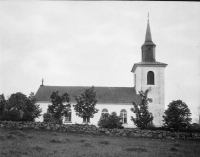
110	121
92	129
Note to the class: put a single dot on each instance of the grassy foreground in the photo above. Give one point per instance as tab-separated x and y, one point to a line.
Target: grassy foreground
31	143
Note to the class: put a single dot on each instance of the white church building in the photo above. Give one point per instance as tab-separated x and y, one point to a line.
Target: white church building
147	74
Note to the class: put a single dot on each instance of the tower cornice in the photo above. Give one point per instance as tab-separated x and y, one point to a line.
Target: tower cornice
148	64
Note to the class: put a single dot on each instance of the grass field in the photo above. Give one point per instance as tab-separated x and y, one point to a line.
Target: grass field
31	143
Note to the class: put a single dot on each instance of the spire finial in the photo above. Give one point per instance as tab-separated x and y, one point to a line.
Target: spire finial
42	82
148	16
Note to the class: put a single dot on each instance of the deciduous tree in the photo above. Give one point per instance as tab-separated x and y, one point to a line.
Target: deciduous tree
32	109
19	107
177	115
85	104
142	115
3	103
59	106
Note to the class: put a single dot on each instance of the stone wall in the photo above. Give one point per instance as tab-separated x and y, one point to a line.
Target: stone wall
95	130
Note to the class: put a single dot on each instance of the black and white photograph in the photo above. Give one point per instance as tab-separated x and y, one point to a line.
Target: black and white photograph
99	78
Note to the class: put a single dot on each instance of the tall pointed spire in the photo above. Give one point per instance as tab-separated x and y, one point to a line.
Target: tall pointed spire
148	48
148	38
148	33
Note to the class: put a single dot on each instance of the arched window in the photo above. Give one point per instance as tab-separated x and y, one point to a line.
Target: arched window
104	111
86	119
68	117
123	115
150	77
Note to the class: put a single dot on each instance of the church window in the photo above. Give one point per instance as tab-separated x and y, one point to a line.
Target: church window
104	111
150	78
68	117
123	115
86	119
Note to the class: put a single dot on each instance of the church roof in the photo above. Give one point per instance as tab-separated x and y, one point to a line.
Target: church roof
114	95
148	63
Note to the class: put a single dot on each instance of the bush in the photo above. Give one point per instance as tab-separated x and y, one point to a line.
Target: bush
194	126
47	117
110	121
191	128
12	115
150	127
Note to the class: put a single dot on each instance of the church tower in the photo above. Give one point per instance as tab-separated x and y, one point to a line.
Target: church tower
149	74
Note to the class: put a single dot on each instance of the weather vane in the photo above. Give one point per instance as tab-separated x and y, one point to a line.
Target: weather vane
148	16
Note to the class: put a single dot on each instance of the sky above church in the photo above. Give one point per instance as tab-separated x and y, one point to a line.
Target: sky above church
76	43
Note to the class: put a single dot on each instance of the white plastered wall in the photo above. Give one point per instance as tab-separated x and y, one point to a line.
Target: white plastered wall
110	107
157	91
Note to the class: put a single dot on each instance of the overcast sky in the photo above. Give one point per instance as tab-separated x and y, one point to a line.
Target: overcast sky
96	43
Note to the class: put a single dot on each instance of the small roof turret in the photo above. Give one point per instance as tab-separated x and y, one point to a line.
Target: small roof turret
42	83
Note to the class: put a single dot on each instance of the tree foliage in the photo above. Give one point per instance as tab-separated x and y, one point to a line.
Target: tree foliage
110	121
7	112
17	101
12	115
85	104
47	117
32	110
59	106
142	116
177	115
19	107
3	103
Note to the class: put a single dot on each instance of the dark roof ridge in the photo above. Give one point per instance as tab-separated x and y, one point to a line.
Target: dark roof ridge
88	86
